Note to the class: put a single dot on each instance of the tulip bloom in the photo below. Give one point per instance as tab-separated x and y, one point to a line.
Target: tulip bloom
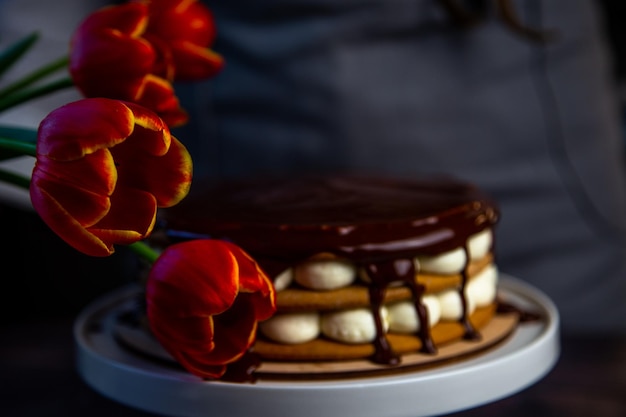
103	167
182	31
134	52
204	301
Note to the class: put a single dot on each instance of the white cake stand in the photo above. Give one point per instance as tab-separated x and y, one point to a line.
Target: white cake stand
139	382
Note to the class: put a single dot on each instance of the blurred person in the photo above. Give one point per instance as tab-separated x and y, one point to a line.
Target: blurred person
516	96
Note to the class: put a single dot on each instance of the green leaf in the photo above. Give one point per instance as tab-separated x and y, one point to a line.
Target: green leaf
14	93
23	134
14	178
10	148
12	53
22	96
11	136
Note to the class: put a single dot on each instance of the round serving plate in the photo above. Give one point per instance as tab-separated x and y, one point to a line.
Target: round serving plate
155	386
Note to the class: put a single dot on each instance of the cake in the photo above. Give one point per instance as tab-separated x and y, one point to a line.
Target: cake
370	274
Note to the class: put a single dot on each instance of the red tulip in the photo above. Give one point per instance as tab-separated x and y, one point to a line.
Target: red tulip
182	31
134	52
103	167
204	301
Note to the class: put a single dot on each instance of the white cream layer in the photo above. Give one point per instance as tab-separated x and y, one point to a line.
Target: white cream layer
357	325
330	274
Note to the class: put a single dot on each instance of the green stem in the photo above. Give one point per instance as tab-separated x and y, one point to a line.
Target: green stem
17	147
23	96
15	179
35	76
145	251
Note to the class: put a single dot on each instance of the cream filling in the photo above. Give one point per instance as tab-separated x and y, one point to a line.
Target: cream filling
357	325
292	328
330	274
325	274
352	326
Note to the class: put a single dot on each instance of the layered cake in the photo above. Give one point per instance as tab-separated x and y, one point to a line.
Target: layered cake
369	273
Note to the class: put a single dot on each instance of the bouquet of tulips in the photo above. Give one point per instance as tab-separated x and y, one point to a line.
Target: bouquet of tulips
107	162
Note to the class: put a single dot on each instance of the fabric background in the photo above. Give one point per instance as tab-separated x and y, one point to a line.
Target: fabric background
390	86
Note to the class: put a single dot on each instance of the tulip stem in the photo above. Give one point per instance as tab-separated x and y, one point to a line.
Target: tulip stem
145	251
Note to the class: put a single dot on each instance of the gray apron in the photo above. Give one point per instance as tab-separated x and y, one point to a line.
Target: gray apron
392	87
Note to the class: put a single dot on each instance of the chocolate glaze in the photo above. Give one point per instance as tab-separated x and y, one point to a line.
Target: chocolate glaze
379	224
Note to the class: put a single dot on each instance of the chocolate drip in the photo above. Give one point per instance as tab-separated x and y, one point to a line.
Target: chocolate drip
383	352
383	274
470	332
428	346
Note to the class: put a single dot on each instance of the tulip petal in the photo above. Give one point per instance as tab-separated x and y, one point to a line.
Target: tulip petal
152	133
182	19
197	307
205	273
97	172
187	29
157	94
164	65
83	127
110	65
167	177
254	281
64	225
84	207
84	197
235	329
191	334
194	62
234	332
131	218
130	18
